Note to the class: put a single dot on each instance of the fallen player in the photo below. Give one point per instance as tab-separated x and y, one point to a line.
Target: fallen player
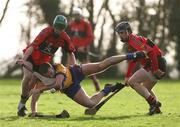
67	79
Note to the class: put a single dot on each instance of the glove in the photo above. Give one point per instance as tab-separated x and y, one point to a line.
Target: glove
140	54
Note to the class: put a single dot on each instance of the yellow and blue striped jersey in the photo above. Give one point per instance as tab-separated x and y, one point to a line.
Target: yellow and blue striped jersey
60	68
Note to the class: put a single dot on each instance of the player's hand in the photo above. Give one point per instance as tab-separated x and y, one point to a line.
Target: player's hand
70	48
159	74
140	54
81	49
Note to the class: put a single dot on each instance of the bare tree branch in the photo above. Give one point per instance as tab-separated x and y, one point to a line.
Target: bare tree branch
4	11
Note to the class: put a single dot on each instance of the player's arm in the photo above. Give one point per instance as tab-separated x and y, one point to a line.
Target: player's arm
71	59
68	45
26	54
154	59
58	85
152	55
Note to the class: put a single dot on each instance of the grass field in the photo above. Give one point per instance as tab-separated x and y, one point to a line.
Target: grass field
126	109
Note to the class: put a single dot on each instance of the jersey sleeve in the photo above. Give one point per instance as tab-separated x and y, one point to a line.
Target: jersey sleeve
154	61
68	45
153	51
41	37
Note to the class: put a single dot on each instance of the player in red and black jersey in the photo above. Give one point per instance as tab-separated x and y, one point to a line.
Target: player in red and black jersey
81	33
42	50
154	65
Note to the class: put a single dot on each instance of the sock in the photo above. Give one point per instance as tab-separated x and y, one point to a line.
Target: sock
151	100
23	99
106	90
130	56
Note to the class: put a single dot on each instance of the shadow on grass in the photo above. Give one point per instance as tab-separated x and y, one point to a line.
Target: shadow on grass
82	118
87	118
10	118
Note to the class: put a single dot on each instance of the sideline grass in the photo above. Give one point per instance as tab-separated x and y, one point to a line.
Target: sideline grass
126	109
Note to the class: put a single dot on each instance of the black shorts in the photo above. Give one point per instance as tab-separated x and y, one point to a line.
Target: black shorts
35	67
77	77
162	64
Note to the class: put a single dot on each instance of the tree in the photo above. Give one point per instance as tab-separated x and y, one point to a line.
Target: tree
103	20
4	11
174	25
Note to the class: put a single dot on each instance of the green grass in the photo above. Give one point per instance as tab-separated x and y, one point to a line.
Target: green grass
126	109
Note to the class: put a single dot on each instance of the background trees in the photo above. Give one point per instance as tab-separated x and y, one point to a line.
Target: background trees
158	20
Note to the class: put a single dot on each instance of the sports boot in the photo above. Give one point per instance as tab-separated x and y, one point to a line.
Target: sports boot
21	110
155	108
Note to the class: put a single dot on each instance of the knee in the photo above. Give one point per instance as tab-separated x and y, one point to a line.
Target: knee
131	83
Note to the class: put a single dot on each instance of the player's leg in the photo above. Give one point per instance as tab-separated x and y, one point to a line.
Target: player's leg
77	93
95	82
83	57
135	82
83	99
34	100
93	68
142	77
25	90
154	107
93	77
149	84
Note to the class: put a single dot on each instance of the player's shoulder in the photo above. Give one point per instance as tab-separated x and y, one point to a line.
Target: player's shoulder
59	67
63	34
48	29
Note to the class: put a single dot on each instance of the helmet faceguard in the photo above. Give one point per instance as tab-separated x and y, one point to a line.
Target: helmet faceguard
123	26
60	22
